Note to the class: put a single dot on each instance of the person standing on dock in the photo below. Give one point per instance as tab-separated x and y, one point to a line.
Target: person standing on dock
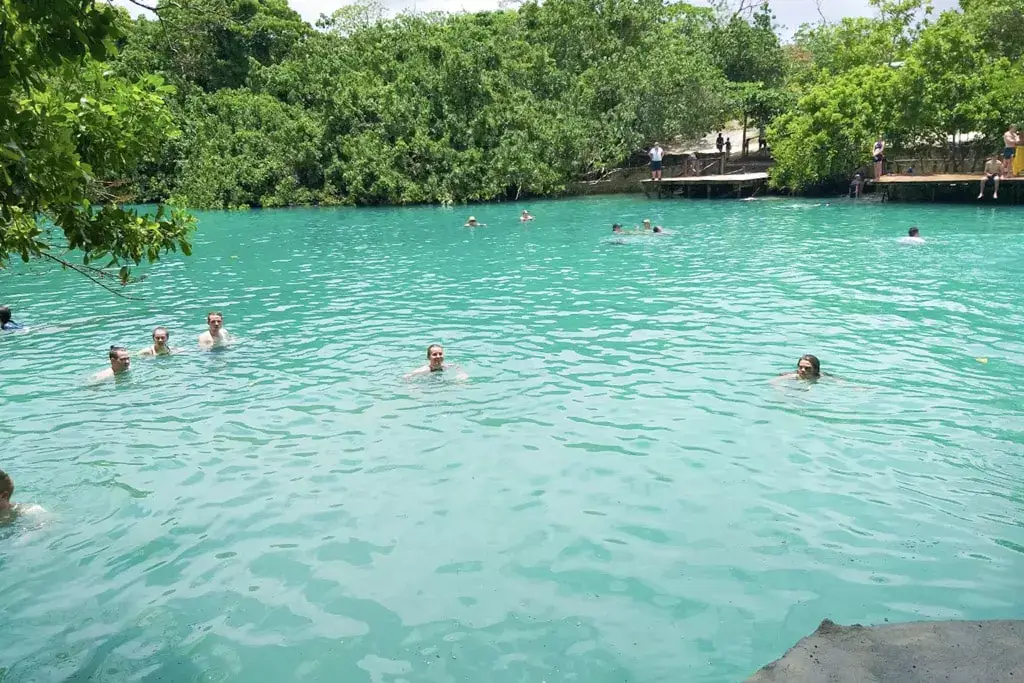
1009	150
993	172
878	156
656	154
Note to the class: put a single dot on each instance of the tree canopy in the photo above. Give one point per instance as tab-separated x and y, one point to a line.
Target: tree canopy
69	126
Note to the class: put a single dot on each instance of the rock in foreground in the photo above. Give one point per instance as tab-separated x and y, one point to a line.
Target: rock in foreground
918	652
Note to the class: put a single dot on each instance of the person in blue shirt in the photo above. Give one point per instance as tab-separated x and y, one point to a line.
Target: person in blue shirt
5	320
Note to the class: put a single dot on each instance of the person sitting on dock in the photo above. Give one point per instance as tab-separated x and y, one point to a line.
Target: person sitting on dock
656	154
1009	150
993	172
878	156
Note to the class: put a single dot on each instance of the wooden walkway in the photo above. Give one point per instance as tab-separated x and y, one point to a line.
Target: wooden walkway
946	187
708	186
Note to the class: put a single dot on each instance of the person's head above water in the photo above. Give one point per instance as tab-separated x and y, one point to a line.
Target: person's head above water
471	220
616	228
120	361
913	232
160	337
435	357
5	315
657	228
215	320
6	490
808	367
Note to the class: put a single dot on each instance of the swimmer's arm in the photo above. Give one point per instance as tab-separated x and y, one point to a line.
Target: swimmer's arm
146	352
419	372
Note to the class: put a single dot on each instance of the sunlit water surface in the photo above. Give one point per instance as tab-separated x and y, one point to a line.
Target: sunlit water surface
618	493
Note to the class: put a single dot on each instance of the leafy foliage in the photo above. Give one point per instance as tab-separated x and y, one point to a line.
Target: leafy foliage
66	125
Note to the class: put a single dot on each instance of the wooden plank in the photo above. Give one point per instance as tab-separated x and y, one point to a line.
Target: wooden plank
938	179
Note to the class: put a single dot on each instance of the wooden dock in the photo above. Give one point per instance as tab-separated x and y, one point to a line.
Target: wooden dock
709	186
946	187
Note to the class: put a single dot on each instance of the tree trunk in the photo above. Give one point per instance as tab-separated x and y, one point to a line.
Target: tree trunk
743	148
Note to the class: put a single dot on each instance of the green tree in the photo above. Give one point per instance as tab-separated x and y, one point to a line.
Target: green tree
68	129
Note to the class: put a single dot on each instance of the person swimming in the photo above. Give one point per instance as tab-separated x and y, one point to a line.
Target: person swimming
472	222
120	363
526	216
159	347
435	363
6	323
913	237
616	228
215	335
657	229
9	510
807	368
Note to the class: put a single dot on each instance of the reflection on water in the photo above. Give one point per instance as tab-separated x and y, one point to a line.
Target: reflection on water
620	491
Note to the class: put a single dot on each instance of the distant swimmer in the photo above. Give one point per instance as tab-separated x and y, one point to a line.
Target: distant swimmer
526	216
913	237
647	225
120	363
807	368
472	222
9	510
616	228
216	335
159	347
658	230
435	363
6	324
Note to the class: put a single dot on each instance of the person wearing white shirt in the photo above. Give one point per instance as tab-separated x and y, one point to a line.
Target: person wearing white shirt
656	154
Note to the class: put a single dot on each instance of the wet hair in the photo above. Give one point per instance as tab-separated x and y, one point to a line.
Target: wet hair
5	315
433	346
616	227
213	313
913	231
657	228
815	363
114	351
6	485
161	329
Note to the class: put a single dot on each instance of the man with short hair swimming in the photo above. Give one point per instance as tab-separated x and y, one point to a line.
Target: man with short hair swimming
120	363
6	323
526	216
159	347
913	237
9	510
216	335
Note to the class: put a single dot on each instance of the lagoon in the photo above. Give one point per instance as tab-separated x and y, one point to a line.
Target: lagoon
619	492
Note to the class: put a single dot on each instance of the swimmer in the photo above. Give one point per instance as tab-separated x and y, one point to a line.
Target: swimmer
647	225
120	363
526	216
913	237
9	510
216	335
471	222
435	363
159	347
807	368
657	230
616	228
6	324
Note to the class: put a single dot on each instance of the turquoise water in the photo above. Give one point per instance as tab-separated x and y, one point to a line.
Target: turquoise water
618	493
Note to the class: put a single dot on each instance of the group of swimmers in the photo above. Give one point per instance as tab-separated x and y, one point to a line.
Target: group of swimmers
639	229
472	222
